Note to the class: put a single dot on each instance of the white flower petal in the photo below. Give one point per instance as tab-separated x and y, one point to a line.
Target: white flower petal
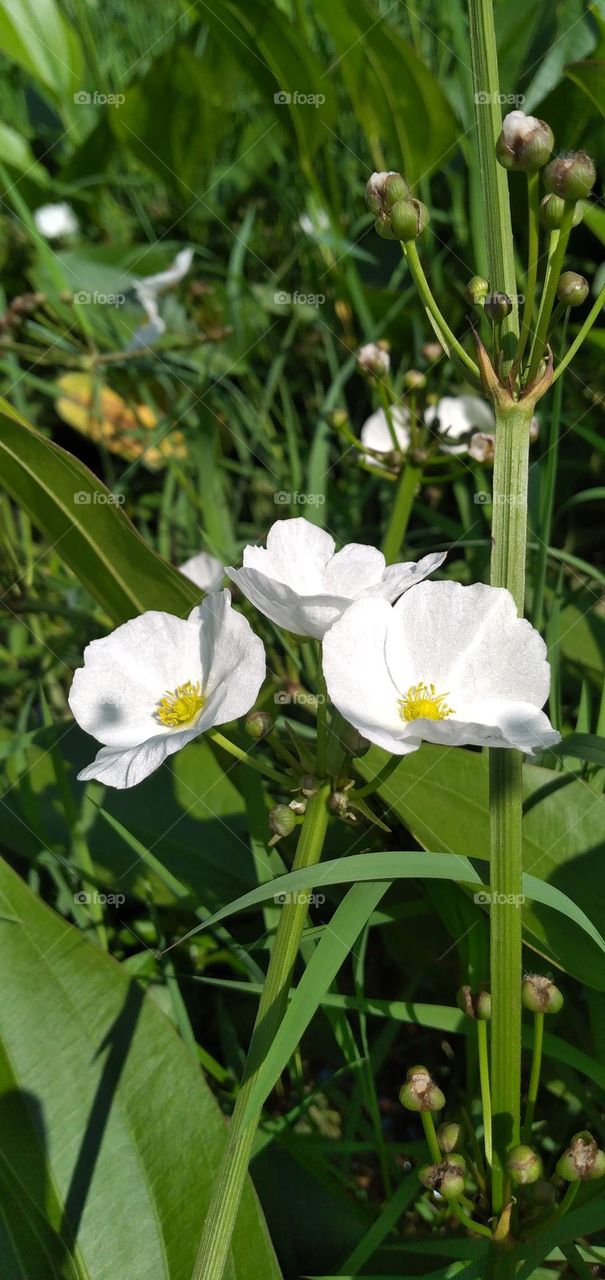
303	615
353	570
232	659
152	285
455	417
358	679
296	554
375	433
204	570
114	696
55	220
400	577
128	767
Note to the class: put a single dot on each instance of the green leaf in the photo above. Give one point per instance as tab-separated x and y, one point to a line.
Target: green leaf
563	840
110	1135
16	152
34	34
582	746
83	521
590	76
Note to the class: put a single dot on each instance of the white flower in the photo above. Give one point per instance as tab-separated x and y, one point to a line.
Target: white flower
482	446
147	290
56	220
315	223
204	570
455	417
372	358
447	664
158	681
302	584
376	435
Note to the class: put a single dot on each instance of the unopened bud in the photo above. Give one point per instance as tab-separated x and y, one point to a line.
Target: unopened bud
353	741
552	209
540	995
338	803
409	219
414	380
449	1136
420	1093
497	306
384	189
571	177
482	446
583	1159
309	784
572	289
258	724
475	1004
373	358
447	1177
524	1165
525	142
282	820
476	290
432	351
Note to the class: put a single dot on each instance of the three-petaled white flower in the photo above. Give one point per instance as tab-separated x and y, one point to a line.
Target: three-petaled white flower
204	570
456	417
56	220
303	584
158	681
148	290
446	664
377	435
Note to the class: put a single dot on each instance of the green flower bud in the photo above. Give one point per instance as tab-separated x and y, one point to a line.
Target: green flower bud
476	290
338	803
476	1005
449	1136
282	820
583	1159
571	177
525	142
409	219
384	228
524	1165
572	289
497	306
447	1177
353	741
384	189
374	358
552	209
414	380
309	784
540	995
258	724
420	1093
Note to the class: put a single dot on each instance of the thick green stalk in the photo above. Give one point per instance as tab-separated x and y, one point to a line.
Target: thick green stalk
509	536
220	1221
401	510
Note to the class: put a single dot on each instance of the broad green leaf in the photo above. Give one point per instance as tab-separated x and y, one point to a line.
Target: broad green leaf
563	837
590	76
34	34
16	152
583	746
110	1135
83	521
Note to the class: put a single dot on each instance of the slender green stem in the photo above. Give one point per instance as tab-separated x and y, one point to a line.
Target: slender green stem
580	336
245	757
382	776
229	1184
401	510
467	1222
568	1199
322	721
533	235
387	406
556	258
548	482
450	341
534	1079
428	1124
486	1101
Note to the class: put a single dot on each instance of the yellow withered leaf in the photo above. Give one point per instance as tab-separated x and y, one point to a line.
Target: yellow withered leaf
94	409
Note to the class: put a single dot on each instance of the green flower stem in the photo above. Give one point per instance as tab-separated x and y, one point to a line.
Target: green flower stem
245	757
533	235
593	315
229	1184
387	406
509	535
568	1199
409	480
486	1101
556	258
382	776
548	480
534	1079
448	338
467	1222
428	1124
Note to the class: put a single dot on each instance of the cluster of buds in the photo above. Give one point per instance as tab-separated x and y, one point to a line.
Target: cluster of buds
540	995
19	308
583	1160
420	1093
475	1004
399	216
447	1177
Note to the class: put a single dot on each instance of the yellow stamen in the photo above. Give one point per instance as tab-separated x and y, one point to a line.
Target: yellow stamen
180	707
422	702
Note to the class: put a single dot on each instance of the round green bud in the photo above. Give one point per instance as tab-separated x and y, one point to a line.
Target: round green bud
570	177
583	1160
540	995
524	1165
572	289
447	1177
309	784
384	228
475	1004
383	189
258	724
497	306
409	219
476	290
449	1136
282	820
552	209
414	380
420	1093
525	142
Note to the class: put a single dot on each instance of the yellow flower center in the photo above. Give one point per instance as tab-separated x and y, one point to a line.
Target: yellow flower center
180	707
422	702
